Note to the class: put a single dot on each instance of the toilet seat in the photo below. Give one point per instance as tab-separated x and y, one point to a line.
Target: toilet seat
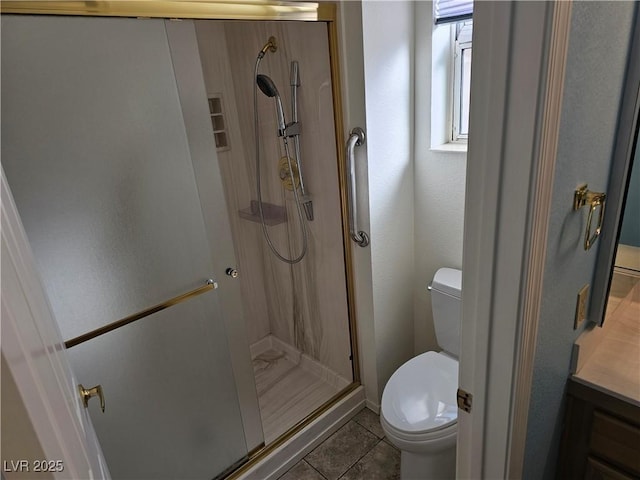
419	401
423	442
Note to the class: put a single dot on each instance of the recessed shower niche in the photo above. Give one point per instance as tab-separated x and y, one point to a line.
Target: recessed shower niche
132	149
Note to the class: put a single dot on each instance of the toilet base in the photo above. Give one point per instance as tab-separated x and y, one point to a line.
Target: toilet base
431	466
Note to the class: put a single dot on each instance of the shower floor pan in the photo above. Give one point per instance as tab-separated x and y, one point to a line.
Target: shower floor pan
290	385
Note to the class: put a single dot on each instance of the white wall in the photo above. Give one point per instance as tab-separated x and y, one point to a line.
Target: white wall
415	195
388	43
439	179
352	73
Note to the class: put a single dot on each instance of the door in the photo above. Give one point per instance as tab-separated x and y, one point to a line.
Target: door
100	161
34	356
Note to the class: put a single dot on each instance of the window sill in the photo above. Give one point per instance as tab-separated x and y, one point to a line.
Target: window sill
457	147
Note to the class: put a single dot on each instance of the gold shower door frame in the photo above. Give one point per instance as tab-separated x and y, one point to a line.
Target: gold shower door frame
243	10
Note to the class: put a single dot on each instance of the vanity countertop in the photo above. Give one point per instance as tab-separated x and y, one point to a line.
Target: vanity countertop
614	365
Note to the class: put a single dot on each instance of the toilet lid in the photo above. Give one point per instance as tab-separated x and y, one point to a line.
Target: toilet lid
421	394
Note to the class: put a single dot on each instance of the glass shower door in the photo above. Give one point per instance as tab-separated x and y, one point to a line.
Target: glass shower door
171	408
95	149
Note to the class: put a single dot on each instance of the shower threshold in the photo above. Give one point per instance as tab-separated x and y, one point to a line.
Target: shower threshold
290	385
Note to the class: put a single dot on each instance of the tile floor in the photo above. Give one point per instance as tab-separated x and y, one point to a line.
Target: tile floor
357	451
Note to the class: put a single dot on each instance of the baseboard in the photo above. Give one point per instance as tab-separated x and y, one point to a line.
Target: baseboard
374	407
292	451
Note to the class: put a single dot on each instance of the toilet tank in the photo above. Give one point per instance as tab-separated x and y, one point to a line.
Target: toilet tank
446	305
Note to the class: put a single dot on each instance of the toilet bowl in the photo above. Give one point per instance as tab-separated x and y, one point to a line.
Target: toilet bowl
419	409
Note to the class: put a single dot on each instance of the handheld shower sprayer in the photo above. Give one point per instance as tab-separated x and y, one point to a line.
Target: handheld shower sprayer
267	87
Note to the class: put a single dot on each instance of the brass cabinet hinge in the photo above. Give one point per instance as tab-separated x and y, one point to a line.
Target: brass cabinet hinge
465	399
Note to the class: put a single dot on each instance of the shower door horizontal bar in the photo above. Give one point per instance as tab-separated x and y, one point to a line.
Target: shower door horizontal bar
210	285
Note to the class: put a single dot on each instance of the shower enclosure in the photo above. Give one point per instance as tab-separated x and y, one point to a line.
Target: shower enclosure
130	147
297	316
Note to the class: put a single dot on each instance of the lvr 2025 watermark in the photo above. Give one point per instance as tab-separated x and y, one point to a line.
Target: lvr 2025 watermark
21	466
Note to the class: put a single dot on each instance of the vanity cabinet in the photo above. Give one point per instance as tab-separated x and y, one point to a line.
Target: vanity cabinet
601	436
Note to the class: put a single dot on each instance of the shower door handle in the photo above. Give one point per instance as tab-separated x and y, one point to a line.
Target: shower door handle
232	272
88	393
356	138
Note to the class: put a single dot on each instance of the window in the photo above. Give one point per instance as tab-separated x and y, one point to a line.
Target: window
447	11
461	80
450	44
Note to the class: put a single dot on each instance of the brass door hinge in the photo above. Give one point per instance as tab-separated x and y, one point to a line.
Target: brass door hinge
465	400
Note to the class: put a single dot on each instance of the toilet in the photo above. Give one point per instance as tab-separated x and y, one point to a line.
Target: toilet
419	411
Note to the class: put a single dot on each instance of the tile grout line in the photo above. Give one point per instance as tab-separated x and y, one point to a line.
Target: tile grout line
365	454
369	430
357	460
314	469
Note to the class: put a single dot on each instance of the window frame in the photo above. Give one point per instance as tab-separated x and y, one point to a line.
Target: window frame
458	76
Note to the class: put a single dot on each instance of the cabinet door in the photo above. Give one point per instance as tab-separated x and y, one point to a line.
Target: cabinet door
596	470
615	441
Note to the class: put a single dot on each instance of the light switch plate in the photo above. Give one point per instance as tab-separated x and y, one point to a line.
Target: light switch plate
581	306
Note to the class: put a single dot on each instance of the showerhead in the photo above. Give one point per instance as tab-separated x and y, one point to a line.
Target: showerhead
267	87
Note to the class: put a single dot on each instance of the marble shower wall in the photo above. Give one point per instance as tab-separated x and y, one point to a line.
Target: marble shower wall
305	304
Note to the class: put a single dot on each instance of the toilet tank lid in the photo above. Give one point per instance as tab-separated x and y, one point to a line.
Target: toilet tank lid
448	280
